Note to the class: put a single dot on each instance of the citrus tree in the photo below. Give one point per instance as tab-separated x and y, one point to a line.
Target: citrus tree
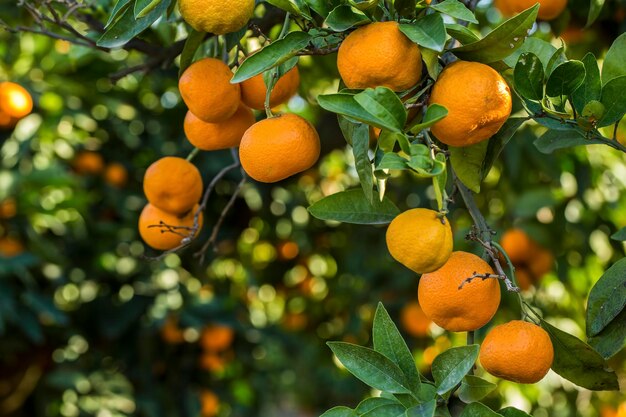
468	131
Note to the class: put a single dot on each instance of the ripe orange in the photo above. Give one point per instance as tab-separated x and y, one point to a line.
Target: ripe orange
206	90
420	240
116	175
413	320
209	403
153	230
295	322
216	16
548	9
276	148
524	278
478	100
517	351
171	333
8	208
173	184
540	263
216	338
15	101
454	309
378	54
212	362
222	135
88	163
518	245
253	90
10	247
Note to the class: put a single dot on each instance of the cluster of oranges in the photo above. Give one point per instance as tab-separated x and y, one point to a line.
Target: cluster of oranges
459	291
15	104
92	163
531	261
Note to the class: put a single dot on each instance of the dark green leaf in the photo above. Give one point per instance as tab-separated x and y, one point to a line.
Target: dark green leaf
619	235
405	8
126	27
461	33
371	367
353	207
44	306
594	11
388	410
591	89
322	7
557	58
271	56
360	147
426	409
118	9
193	42
565	79
544	51
613	65
559	139
295	7
502	41
478	410
607	298
613	100
455	9
143	7
612	338
389	342
428	31
392	160
29	325
498	141
529	76
384	105
474	389
513	412
434	113
467	163
339	412
371	404
344	17
451	366
577	362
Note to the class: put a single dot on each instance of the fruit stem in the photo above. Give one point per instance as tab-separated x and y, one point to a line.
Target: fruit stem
192	154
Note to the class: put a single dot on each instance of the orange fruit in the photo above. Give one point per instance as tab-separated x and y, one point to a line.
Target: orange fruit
254	90
548	9
518	245
206	90
379	54
420	239
173	184
276	148
88	163
116	175
209	403
153	228
517	351
15	101
540	263
413	320
459	309
295	321
212	362
10	247
171	333
8	208
524	278
221	135
478	100
216	338
216	16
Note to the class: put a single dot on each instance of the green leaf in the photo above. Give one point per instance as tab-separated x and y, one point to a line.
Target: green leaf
384	105
529	77
426	409
371	367
612	338
271	56
451	366
388	410
614	101
428	31
455	9
513	412
392	160
434	113
559	139
360	147
502	41
126	27
478	410
544	51
339	412
474	389
467	163
405	8
389	342
353	207
594	11
143	7
607	298
431	59
498	141
565	79
613	65
118	9
295	7
619	235
577	362
322	7
344	17
461	33
193	42
371	404
591	89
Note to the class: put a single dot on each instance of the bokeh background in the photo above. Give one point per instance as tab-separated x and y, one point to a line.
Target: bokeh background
89	326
